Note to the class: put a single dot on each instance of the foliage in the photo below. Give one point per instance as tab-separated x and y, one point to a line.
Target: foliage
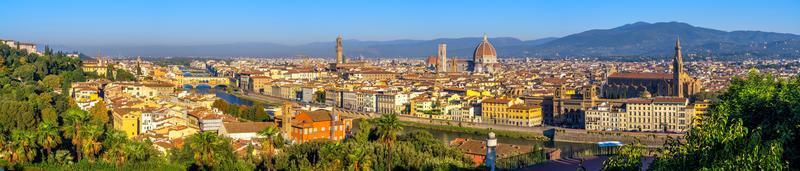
40	128
209	151
629	158
253	113
124	75
753	126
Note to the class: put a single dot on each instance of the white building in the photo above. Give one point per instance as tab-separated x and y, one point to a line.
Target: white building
243	130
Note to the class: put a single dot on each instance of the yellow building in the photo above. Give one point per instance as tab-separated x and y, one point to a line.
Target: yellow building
127	120
700	112
510	111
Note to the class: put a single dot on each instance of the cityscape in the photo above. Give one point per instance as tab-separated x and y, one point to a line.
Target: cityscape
664	95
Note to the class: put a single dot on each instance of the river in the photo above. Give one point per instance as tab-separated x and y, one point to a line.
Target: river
567	148
219	92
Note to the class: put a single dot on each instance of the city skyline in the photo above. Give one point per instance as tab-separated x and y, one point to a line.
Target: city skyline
293	23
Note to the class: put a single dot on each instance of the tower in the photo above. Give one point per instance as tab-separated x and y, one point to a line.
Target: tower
339	57
677	70
286	119
442	58
491	153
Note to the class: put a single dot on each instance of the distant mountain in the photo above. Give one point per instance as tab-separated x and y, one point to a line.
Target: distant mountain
636	39
658	39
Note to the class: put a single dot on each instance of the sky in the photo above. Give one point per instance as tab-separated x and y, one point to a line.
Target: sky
292	22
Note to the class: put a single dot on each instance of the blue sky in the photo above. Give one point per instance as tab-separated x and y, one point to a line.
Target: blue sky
179	22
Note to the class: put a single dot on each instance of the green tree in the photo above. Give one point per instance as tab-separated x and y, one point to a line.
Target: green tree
25	72
53	82
388	126
47	136
753	126
207	151
629	158
364	129
23	145
110	72
74	120
123	75
260	114
90	144
267	147
100	112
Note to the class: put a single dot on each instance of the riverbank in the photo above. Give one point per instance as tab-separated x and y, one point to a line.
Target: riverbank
476	131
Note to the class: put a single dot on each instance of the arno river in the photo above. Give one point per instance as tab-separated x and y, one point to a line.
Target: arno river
567	148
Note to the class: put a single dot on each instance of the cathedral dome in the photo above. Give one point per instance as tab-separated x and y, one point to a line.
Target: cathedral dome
485	52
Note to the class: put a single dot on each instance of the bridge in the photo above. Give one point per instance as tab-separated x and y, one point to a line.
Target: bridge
196	81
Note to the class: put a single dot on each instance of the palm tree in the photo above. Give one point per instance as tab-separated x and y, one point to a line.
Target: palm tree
90	145
388	127
74	119
359	158
48	136
267	148
23	145
206	147
114	144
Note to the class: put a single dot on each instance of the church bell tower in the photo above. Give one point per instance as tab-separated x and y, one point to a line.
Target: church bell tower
677	70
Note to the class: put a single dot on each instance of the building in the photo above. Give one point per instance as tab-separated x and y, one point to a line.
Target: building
700	112
510	111
632	85
606	117
350	100
391	103
243	130
319	124
339	51
660	114
442	58
127	120
485	57
333	98
29	47
477	149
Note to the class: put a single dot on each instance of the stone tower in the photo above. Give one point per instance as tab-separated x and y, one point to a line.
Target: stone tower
286	119
442	58
339	56
677	70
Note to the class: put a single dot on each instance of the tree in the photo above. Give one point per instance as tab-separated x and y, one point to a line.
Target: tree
23	145
207	150
260	114
359	159
387	128
100	112
90	146
753	126
110	72
47	136
364	129
123	75
267	147
628	159
25	72
53	82
74	120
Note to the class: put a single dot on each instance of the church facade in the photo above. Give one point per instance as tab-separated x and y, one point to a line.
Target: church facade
632	85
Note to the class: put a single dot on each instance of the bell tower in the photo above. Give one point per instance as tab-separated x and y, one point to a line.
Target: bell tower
677	70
